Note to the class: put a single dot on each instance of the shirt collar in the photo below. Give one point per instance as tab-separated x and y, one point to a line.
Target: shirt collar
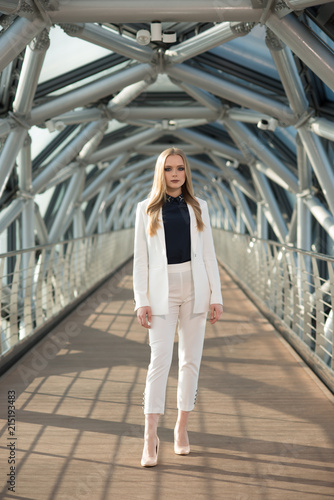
176	199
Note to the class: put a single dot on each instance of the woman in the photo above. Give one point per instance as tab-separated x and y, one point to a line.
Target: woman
175	280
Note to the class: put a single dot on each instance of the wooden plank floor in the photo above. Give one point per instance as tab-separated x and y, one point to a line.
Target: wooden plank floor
262	428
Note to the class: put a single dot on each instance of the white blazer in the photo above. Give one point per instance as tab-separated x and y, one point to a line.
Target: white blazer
150	272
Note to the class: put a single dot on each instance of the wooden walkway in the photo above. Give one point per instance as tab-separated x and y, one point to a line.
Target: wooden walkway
262	428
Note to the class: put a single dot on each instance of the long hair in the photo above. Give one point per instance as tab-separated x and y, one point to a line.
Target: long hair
157	195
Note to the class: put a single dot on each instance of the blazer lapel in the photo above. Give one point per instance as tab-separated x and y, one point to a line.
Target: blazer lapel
193	229
161	233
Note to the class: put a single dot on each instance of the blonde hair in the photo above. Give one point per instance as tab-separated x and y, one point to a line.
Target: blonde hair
157	195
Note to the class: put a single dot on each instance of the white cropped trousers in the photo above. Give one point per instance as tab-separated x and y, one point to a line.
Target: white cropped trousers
191	331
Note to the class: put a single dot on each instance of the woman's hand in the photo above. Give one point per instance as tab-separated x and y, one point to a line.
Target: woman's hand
216	310
144	316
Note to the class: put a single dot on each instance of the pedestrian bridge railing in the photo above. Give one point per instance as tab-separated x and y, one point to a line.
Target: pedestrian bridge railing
294	288
39	284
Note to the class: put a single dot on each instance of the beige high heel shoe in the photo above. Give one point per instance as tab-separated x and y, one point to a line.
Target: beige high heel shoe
180	450
147	461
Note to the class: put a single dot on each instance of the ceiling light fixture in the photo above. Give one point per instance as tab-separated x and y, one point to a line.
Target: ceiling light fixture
144	37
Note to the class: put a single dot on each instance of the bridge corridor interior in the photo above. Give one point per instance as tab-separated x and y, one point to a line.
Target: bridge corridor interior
88	99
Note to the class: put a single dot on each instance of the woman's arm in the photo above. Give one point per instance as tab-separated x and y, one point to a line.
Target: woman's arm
140	262
210	259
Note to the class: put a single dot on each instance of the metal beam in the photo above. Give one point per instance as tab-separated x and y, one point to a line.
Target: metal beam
124	97
246	214
103	37
206	169
259	149
288	73
320	163
320	213
72	194
304	222
8	155
15	39
164	113
246	115
305	45
273	212
66	155
6	126
31	68
40	227
155	149
126	144
217	35
10	213
98	208
138	167
231	91
145	11
91	92
261	221
10	6
201	96
234	177
25	186
105	176
209	144
304	4
322	127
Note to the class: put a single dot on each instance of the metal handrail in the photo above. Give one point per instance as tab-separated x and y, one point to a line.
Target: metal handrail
293	287
38	283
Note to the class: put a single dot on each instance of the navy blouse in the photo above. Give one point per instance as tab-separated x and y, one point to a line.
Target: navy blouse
176	220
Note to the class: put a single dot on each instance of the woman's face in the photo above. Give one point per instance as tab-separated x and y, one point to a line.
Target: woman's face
175	174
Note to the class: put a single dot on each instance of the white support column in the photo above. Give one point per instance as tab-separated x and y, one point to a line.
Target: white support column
271	207
78	223
261	221
25	186
321	214
138	167
217	35
259	149
231	91
305	45
304	222
98	35
165	113
66	155
90	92
42	233
321	165
10	6
304	4
244	210
14	40
10	213
155	149
108	173
322	127
8	155
219	147
72	194
234	177
31	68
98	208
287	70
144	11
205	98
108	152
